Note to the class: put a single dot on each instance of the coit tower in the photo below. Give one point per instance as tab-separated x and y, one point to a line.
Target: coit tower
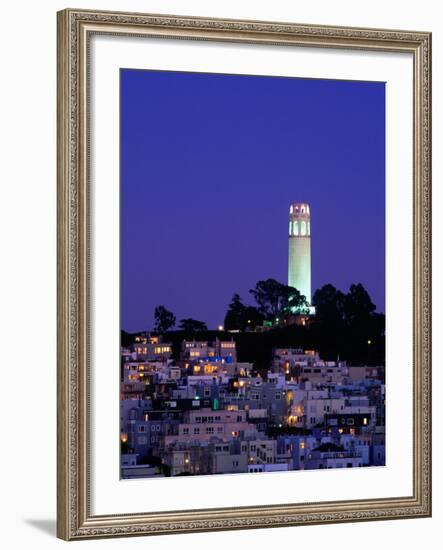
299	261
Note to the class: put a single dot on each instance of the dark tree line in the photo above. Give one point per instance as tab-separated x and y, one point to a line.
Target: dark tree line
344	324
348	322
240	316
274	301
165	320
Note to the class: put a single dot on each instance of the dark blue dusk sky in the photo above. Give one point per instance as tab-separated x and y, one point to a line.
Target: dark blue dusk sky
209	166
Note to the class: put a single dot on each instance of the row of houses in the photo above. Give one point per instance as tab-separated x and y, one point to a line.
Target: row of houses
207	413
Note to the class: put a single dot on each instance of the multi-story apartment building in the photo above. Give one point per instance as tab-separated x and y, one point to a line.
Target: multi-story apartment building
205	424
195	350
330	455
150	348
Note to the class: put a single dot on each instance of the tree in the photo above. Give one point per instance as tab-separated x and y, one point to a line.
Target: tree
253	317
329	328
235	316
269	297
274	299
358	305
329	304
192	325
164	319
365	327
295	301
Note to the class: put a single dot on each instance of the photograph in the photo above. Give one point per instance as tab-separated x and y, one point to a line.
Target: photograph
252	274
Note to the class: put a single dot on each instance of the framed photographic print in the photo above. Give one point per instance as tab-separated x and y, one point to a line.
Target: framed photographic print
243	274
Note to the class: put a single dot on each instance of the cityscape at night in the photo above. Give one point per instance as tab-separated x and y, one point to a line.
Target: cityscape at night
249	345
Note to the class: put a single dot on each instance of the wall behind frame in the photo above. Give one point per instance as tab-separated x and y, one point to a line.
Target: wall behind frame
28	268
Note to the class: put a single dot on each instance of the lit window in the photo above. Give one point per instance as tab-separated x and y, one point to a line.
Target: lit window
296	229
303	228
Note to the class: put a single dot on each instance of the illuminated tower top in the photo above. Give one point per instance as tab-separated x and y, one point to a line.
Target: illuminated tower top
299	220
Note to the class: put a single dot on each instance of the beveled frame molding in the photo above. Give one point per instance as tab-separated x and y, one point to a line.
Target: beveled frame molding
74	519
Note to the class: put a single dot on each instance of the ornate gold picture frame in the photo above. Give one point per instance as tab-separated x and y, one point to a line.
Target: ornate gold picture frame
75	519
